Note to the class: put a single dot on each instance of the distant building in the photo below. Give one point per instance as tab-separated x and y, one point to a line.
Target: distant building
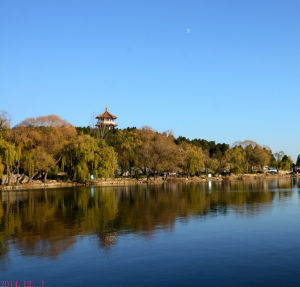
269	169
272	170
106	122
296	169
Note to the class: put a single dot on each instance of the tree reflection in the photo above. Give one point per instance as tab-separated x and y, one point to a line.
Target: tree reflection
46	223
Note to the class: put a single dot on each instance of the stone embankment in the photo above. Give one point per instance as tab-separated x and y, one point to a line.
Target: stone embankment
195	179
37	184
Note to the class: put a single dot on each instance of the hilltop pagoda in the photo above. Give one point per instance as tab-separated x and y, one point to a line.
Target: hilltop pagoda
106	122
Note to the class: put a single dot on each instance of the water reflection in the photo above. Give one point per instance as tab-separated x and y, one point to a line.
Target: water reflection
48	222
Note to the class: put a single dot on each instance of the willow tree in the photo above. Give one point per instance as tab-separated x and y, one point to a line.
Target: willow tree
125	143
236	158
10	156
85	156
2	167
38	161
42	140
194	159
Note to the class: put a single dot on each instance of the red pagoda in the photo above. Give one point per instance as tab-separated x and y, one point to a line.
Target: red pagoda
106	121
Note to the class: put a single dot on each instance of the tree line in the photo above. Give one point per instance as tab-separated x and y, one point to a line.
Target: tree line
43	147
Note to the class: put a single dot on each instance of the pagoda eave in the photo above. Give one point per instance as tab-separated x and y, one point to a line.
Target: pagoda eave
108	125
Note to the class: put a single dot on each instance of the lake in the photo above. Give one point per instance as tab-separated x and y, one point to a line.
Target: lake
208	234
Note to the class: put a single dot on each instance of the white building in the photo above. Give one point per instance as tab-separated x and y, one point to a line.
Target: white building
106	120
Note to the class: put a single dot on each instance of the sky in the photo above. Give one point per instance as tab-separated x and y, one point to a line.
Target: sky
224	70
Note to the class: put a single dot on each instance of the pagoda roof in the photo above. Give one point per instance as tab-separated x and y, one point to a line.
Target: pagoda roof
106	114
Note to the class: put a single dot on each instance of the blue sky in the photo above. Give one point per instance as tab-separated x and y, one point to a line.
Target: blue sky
219	70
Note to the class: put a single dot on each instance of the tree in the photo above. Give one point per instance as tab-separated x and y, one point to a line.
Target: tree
48	145
4	124
39	161
245	143
279	156
261	157
4	121
10	156
53	121
125	143
286	163
85	156
236	157
214	165
193	159
157	152
214	150
298	161
107	160
2	167
255	157
42	138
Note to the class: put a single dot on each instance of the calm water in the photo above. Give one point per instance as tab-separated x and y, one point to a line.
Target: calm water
215	234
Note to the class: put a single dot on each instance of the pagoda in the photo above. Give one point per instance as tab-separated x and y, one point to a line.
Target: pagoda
105	122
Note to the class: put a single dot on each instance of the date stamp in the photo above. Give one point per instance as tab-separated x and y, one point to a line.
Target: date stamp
25	283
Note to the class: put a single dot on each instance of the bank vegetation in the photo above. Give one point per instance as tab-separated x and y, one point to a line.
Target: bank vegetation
50	147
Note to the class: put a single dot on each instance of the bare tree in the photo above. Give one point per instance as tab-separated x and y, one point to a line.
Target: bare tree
92	126
245	143
101	131
279	155
4	120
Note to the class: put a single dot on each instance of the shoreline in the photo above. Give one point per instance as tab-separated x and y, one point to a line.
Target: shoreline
144	181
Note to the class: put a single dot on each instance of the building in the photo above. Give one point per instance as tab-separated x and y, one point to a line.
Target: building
296	169
105	122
